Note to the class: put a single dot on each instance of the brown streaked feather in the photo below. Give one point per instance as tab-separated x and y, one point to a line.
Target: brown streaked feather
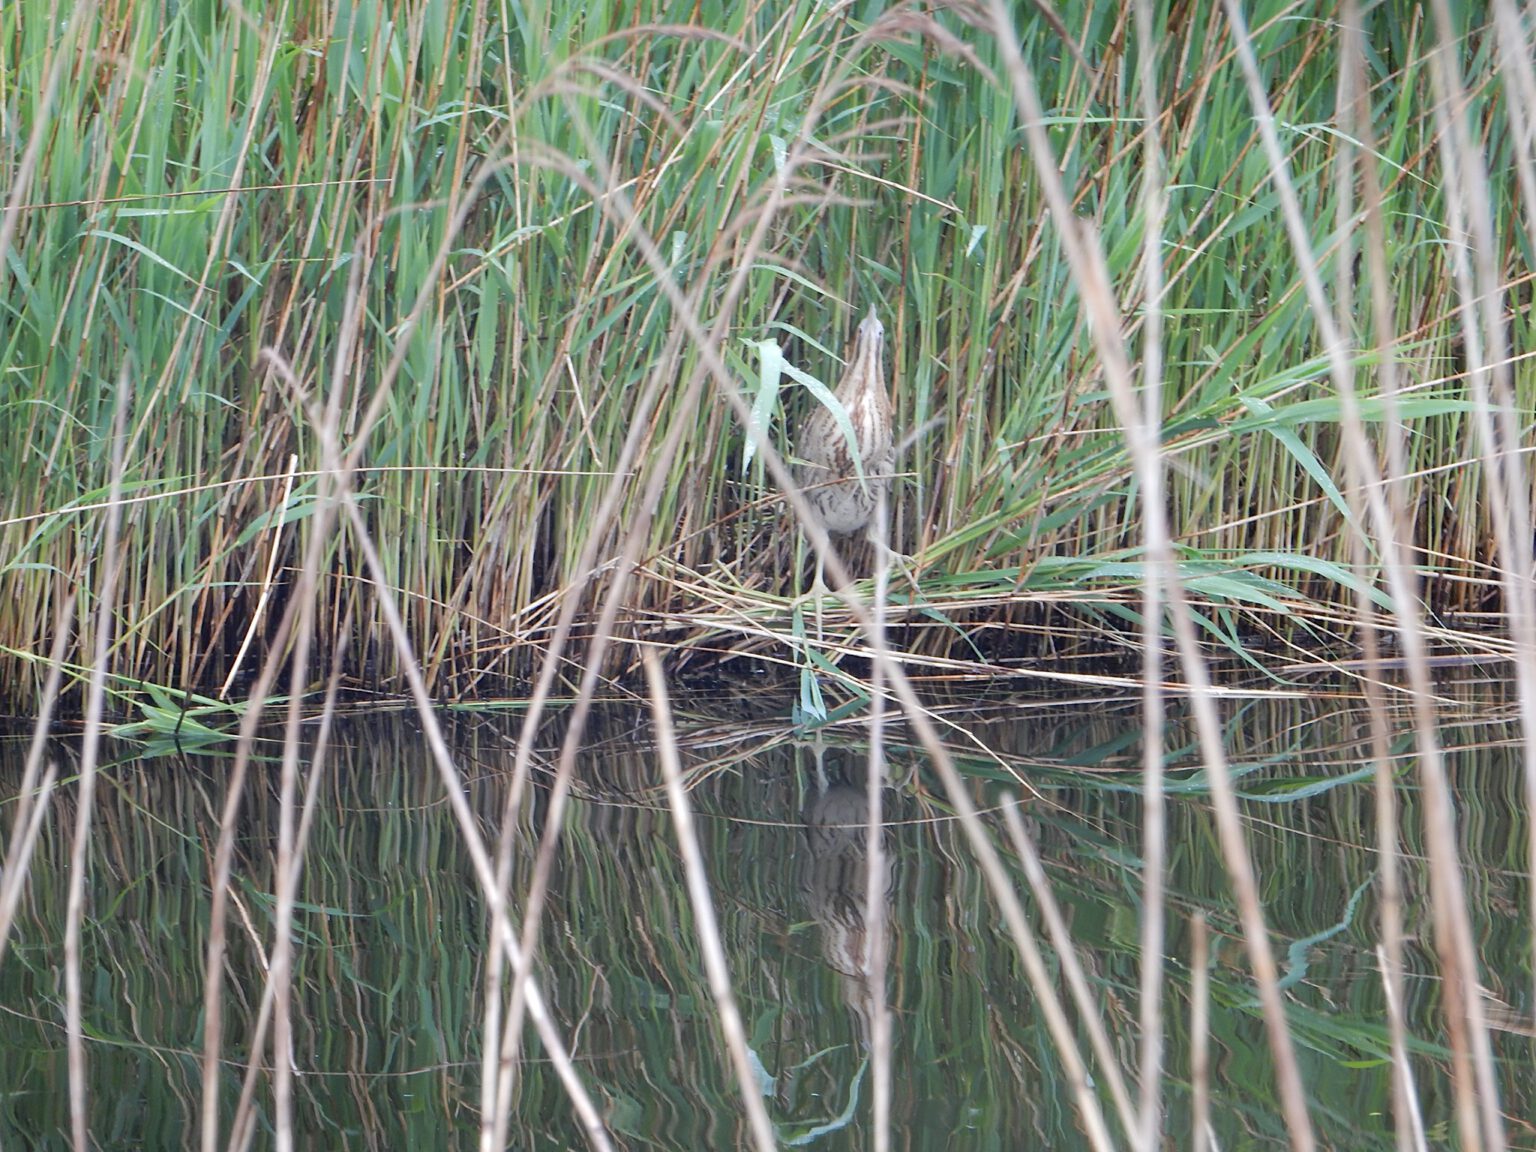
828	474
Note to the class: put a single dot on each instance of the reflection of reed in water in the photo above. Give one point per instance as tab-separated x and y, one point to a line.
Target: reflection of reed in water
835	879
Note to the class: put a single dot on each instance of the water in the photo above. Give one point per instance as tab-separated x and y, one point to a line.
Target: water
389	983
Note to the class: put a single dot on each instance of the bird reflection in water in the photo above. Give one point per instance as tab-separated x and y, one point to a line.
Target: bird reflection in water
835	880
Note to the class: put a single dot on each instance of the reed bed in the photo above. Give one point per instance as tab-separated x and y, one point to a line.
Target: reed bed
463	233
1208	327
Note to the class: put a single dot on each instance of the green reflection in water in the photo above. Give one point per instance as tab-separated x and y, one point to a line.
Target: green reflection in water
388	989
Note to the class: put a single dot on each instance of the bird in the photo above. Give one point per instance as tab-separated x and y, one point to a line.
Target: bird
844	482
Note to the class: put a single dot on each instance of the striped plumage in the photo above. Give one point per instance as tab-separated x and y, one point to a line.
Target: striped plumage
827	473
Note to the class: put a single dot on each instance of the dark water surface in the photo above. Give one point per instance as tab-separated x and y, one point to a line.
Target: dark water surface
389	993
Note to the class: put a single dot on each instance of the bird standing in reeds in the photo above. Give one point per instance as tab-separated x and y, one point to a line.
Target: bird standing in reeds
845	479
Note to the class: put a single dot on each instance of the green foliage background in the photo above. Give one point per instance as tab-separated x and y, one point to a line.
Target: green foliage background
437	215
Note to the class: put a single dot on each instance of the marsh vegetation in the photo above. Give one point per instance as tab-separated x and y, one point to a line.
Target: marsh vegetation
452	353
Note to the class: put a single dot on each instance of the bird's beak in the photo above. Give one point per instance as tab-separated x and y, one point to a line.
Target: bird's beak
870	328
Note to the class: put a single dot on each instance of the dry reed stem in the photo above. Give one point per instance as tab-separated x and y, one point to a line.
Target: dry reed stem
1410	1121
289	852
619	207
1520	76
1355	102
36	784
711	945
1453	930
1086	261
1071	967
338	467
1146	1135
876	921
1200	1034
1506	485
80	850
997	877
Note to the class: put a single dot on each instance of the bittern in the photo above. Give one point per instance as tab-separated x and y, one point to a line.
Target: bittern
844	481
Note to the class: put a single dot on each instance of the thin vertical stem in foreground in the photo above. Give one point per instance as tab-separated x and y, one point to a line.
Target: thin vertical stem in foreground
1354	100
1071	966
710	943
1410	1124
1519	75
1457	955
1085	258
33	794
1200	1034
1473	252
340	469
876	926
95	705
1155	525
290	849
